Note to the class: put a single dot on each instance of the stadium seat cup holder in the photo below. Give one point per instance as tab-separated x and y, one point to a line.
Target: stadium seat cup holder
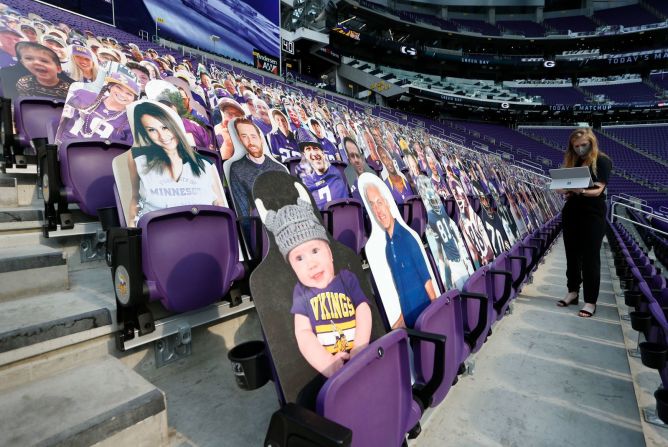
250	364
640	321
653	355
632	298
661	396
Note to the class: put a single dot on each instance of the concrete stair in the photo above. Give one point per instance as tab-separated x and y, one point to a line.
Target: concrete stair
64	382
28	270
100	401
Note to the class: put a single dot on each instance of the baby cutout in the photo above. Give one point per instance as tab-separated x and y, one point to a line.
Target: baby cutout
332	316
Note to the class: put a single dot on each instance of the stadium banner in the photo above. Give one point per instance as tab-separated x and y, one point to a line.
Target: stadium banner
101	10
231	28
263	61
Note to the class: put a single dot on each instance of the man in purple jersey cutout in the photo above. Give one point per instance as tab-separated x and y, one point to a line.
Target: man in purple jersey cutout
319	131
324	181
282	140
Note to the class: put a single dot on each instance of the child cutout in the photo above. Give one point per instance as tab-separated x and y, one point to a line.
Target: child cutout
332	316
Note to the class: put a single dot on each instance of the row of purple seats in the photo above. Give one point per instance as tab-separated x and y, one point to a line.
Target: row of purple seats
624	93
648	138
477	26
660	80
526	28
653	230
647	294
632	15
555	95
570	23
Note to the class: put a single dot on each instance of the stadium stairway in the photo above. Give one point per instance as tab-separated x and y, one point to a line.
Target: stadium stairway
63	380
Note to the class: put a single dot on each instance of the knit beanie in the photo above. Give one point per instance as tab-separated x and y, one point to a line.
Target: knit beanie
293	225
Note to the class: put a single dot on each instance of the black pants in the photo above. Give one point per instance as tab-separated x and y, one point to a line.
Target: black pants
584	227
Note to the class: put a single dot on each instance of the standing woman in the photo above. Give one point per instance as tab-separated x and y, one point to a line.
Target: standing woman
584	221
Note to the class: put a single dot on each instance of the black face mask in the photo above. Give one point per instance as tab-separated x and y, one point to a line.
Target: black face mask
582	150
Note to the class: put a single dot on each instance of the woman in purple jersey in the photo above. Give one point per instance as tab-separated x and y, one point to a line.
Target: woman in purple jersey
101	116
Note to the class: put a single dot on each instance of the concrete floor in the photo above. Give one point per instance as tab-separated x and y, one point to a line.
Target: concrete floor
546	377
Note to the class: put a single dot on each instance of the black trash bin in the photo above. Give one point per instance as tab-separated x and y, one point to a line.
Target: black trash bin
250	364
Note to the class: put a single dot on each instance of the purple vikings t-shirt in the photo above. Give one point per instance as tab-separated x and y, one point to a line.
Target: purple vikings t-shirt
326	187
79	121
283	147
331	311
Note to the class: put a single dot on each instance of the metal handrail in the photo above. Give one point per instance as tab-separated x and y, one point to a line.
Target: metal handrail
632	198
620	217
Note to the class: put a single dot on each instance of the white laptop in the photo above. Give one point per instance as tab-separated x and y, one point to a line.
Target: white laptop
571	178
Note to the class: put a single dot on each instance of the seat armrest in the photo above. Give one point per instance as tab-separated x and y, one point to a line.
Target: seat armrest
426	393
473	336
507	284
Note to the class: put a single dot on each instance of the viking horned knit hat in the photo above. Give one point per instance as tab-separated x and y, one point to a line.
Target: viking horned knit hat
292	225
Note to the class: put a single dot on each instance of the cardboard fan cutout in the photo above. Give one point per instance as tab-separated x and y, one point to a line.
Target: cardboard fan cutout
311	294
37	70
323	180
400	266
99	113
251	159
282	140
471	226
162	170
446	245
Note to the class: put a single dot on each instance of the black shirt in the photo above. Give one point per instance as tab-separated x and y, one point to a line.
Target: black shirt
577	206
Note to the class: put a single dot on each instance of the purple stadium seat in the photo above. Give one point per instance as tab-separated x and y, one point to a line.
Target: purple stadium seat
187	273
172	258
86	173
444	316
415	214
344	219
372	395
79	171
30	115
479	284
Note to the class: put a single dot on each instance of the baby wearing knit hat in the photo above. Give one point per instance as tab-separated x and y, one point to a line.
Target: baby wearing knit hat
332	316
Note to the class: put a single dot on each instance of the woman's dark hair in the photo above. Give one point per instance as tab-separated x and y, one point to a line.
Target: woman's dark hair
156	157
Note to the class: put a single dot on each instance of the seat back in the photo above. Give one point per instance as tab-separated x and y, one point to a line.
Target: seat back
477	283
185	267
214	157
30	115
87	174
372	394
442	316
292	164
415	214
344	219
